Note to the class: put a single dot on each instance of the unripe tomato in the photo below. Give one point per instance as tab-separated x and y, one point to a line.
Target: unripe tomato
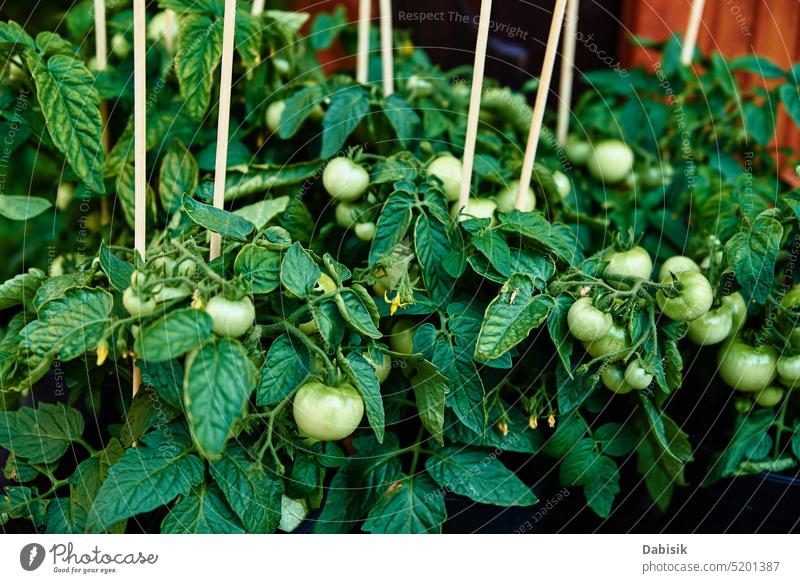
587	323
274	113
64	196
347	214
692	300
636	376
634	262
577	150
745	367
166	293
614	379
711	328
788	368
737	307
137	306
563	184
186	268
382	368
120	45
345	180
477	208
770	396
231	318
422	87
448	169
327	413
677	264
365	231
325	284
611	161
401	337
615	341
506	199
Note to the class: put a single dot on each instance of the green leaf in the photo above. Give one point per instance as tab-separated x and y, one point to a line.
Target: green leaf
403	118
247	38
430	389
203	511
559	330
261	178
580	465
601	491
13	35
178	175
21	289
297	108
71	106
479	476
569	431
259	268
23	502
510	317
757	65
666	432
790	96
358	309
217	220
254	495
466	396
325	28
362	376
85	484
41	435
393	223
752	253
166	378
299	271
174	335
219	381
432	244
759	120
118	271
616	439
496	251
409	506
143	480
749	431
553	237
348	107
286	367
22	208
200	49
263	211
126	194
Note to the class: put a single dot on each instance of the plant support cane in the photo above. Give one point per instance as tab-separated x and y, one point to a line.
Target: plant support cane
541	101
140	143
387	56
475	104
223	122
692	30
567	71
101	52
362	54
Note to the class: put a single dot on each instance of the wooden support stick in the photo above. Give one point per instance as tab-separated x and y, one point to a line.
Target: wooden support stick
387	49
362	56
140	141
258	7
541	101
223	122
692	30
475	103
567	71
101	54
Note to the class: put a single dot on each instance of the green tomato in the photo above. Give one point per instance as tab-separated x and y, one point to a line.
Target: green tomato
788	368
770	396
231	318
347	214
120	45
274	113
166	293
344	179
421	87
186	268
635	262
587	323
611	161
448	169
325	284
615	341
365	231
327	413
636	376
658	175
563	184
506	199
677	264
382	368
737	307
711	328
64	196
137	306
477	208
577	150
745	367
614	380
401	338
693	299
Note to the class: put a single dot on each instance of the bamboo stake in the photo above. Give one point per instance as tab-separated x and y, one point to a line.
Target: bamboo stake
223	122
387	54
101	53
140	148
258	7
567	71
362	56
541	101
475	103
692	30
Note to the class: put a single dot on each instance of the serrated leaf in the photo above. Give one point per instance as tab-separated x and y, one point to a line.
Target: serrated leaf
178	175
409	506
259	268
174	335
287	365
403	117
40	435
203	511
432	244
393	223
362	376
200	42
752	254
603	488
118	271
217	220
299	271
348	107
359	310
